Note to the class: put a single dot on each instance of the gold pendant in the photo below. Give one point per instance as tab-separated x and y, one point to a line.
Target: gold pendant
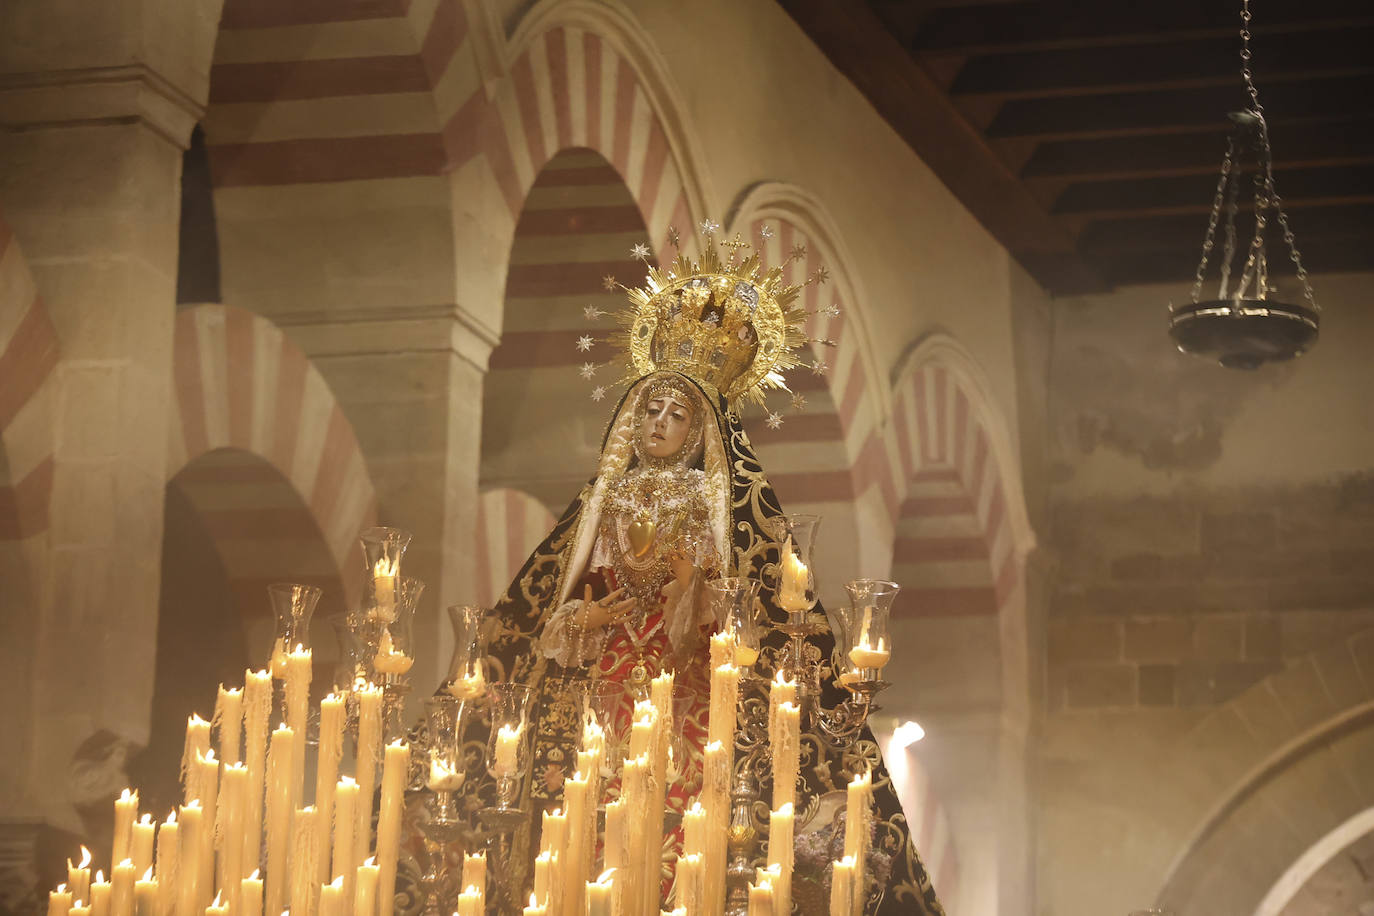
639	676
641	534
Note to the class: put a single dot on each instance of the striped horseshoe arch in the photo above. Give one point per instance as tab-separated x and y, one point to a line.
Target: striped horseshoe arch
28	356
254	418
959	538
570	87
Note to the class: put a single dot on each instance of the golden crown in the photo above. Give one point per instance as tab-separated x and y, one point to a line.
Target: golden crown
723	320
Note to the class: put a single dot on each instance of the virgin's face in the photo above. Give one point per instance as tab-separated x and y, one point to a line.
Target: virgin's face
667	422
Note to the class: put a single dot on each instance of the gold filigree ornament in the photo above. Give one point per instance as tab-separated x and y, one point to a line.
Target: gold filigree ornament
724	321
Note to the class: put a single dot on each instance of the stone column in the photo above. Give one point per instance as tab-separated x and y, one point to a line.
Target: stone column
98	103
410	381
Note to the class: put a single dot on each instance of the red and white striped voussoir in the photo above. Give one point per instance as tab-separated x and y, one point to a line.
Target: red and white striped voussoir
571	88
240	383
28	356
942	430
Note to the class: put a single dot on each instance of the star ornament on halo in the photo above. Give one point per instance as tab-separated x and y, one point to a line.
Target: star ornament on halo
584	343
709	227
587	370
819	367
774	419
598	393
765	232
641	252
608	283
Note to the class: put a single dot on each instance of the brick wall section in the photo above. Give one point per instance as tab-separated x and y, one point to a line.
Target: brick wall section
1188	600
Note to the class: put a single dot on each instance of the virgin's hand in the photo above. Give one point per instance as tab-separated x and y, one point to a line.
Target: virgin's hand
605	611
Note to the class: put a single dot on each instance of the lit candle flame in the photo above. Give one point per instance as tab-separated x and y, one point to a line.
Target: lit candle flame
147	875
85	858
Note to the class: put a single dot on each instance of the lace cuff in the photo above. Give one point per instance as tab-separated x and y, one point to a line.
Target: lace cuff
686	608
569	645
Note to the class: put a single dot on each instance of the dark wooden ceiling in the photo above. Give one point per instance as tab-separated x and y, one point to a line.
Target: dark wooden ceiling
1087	136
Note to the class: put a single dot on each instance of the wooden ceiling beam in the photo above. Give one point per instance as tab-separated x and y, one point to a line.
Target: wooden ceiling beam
1061	25
859	45
1297	187
1346	141
1175	110
1179	65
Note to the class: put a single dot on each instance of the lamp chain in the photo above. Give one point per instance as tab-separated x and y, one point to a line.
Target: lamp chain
1266	195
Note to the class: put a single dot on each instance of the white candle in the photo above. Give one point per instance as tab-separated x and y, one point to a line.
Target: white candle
865	655
217	907
79	876
250	895
600	894
715	794
142	848
384	587
542	862
228	719
781	827
796	578
191	828
760	900
207	785
615	854
842	887
470	903
59	901
535	909
257	711
100	895
576	874
79	910
394	769
369	752
634	790
724	704
687	885
122	889
278	818
786	747
332	898
856	828
326	776
345	821
469	686
389	659
146	895
445	775
197	745
233	803
304	860
365	889
475	876
299	665
168	879
507	750
126	812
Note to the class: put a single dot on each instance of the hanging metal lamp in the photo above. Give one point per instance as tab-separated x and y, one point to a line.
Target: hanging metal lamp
1242	328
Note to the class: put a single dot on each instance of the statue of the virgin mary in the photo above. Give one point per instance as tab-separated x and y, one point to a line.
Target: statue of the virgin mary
617	591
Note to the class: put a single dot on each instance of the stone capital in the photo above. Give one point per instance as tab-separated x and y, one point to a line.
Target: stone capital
90	96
